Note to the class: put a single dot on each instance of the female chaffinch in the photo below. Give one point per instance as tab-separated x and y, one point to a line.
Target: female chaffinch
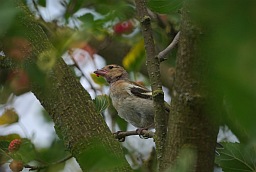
132	101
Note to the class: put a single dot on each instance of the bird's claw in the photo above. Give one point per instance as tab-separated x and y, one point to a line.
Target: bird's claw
120	139
139	131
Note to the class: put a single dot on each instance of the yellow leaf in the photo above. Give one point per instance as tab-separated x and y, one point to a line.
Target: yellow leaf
135	57
9	117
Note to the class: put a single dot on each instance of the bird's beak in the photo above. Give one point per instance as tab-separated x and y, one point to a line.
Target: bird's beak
100	72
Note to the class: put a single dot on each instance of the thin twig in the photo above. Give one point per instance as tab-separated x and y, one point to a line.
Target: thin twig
37	9
31	167
174	42
23	128
70	52
153	67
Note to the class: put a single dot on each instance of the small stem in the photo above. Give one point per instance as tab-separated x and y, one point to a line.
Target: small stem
70	52
31	168
174	42
23	128
37	9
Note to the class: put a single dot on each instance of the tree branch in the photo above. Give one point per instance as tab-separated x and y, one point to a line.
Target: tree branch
69	105
153	66
174	42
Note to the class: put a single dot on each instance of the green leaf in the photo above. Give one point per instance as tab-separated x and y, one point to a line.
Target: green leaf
5	93
122	124
98	80
74	6
236	157
115	9
88	20
7	15
9	137
164	6
55	153
3	152
4	145
26	152
98	158
36	75
101	102
42	3
57	167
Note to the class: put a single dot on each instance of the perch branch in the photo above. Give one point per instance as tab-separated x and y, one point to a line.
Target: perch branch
120	135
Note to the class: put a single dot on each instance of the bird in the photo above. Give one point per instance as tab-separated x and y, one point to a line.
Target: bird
132	101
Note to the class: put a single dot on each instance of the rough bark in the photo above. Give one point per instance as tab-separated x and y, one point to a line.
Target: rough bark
67	102
191	124
153	67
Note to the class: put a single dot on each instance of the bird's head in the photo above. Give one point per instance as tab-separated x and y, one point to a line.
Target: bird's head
112	73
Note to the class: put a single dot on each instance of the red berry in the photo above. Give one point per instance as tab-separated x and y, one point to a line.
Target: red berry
14	145
16	166
123	27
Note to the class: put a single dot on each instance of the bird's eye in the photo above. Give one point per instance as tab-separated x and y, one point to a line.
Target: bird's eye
111	67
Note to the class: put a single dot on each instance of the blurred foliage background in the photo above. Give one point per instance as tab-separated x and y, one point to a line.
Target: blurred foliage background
89	34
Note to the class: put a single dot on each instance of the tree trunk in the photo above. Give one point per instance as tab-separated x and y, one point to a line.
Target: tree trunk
67	102
191	123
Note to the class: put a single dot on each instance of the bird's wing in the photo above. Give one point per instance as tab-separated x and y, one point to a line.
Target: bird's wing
140	91
137	90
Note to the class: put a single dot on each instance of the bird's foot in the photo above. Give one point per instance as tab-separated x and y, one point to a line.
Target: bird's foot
119	137
139	131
